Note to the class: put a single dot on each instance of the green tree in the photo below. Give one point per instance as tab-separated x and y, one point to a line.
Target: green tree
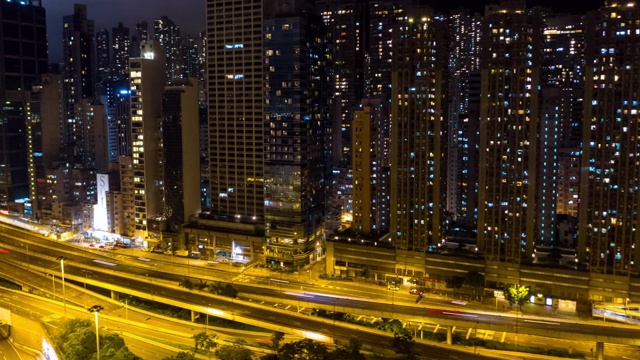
351	351
276	339
403	344
305	349
204	341
186	283
234	352
182	355
516	294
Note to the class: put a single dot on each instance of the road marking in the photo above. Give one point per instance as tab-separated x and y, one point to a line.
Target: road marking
542	322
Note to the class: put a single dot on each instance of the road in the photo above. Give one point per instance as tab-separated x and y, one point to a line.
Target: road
7	351
170	271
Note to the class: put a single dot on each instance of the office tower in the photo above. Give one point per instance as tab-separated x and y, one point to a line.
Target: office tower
370	173
510	67
297	106
24	59
236	115
103	58
167	33
563	69
147	76
346	20
121	51
181	154
46	117
78	63
417	78
609	182
463	117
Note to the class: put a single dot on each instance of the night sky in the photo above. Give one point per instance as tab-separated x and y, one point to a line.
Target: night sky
190	14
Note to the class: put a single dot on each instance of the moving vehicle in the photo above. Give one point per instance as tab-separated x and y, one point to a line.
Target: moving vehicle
415	291
393	287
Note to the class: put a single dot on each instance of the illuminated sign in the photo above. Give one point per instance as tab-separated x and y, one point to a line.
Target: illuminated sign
100	221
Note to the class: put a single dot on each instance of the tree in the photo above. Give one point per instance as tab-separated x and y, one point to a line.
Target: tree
351	351
305	349
474	279
204	341
78	342
276	339
234	352
454	282
403	344
182	355
186	283
516	294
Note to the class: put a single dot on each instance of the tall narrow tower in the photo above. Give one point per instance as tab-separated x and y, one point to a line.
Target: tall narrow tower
610	176
416	145
510	68
147	85
236	111
24	58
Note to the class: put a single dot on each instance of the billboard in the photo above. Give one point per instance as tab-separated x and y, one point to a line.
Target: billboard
100	220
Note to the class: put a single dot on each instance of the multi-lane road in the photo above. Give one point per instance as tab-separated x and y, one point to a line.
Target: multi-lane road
143	274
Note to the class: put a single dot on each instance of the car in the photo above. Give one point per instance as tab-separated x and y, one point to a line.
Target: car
415	291
145	249
393	287
212	262
224	260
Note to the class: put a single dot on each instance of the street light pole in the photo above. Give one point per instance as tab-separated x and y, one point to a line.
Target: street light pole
96	309
64	293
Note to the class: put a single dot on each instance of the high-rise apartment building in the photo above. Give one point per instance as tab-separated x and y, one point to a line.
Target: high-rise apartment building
297	106
147	76
121	52
610	176
181	154
417	151
236	113
370	172
24	58
167	33
346	21
46	117
103	59
563	69
78	64
463	117
510	69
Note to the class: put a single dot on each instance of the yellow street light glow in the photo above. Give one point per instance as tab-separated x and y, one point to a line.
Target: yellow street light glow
216	312
315	336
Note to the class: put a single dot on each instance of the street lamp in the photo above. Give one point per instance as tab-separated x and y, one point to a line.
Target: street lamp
96	309
64	293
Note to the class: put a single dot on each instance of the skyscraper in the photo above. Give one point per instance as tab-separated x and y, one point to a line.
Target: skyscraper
121	51
103	56
181	154
417	152
236	112
24	59
370	172
610	176
463	117
79	63
346	20
297	106
167	33
147	75
510	69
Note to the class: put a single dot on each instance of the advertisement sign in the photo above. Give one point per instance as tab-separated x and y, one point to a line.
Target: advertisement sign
100	221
